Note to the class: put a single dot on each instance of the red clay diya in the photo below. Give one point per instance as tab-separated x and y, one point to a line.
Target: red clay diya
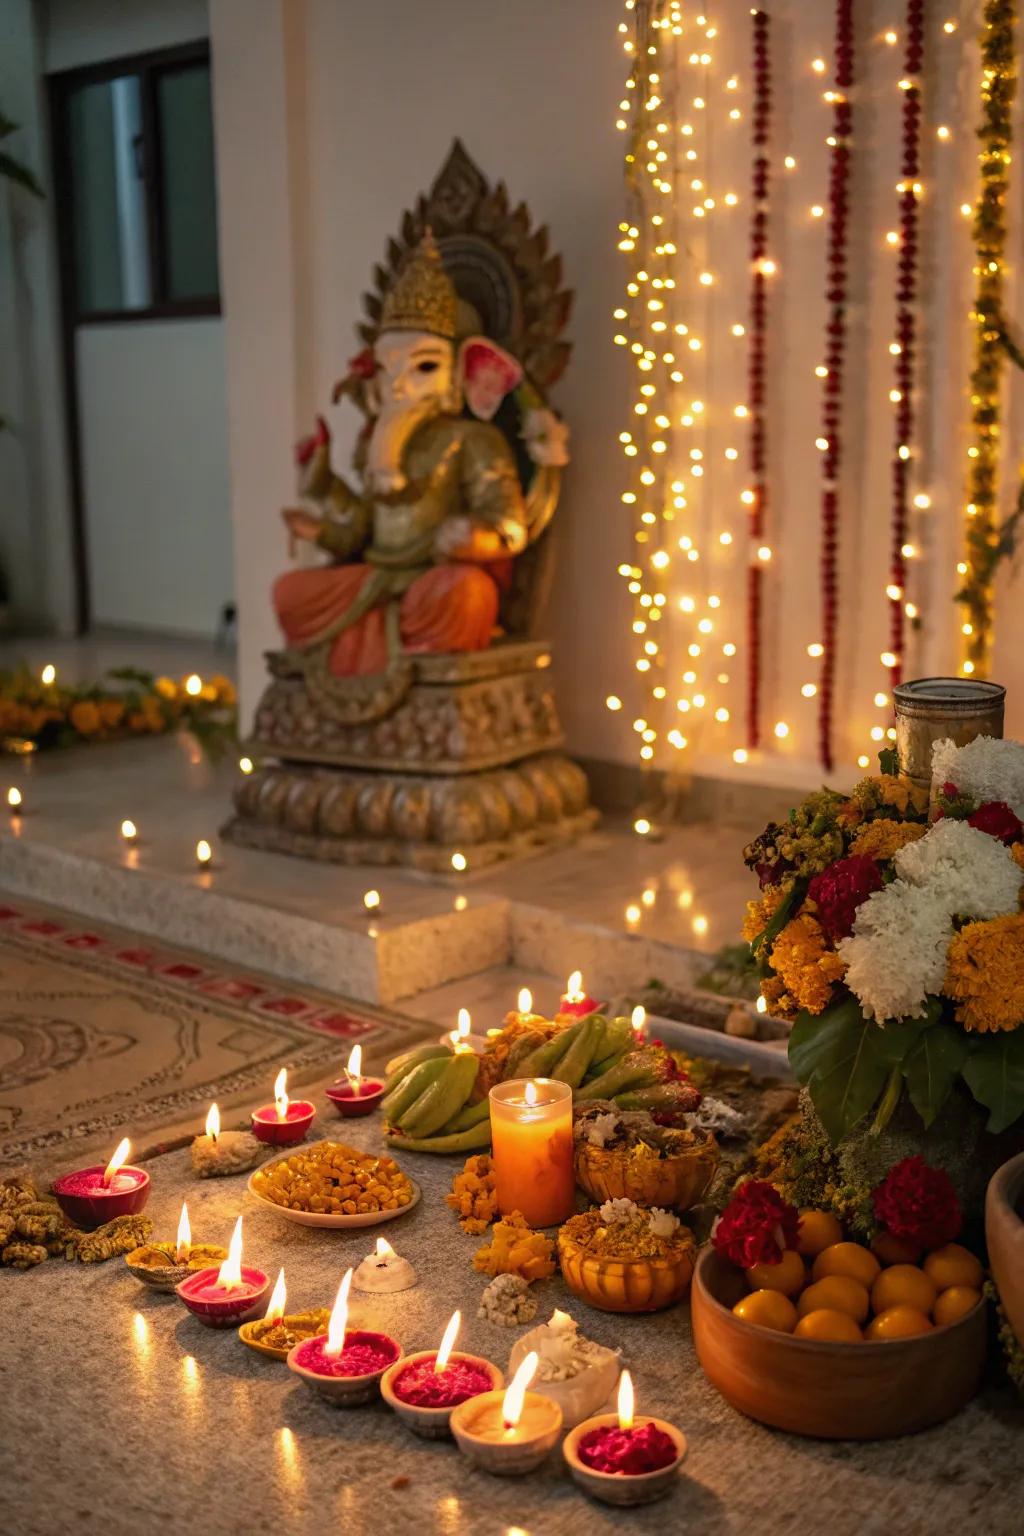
284	1122
624	1459
424	1388
575	1002
345	1365
91	1196
222	1296
353	1094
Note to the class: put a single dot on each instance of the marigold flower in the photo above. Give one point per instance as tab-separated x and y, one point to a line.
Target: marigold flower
111	713
883	839
918	1202
807	966
985	974
85	717
1017	852
760	914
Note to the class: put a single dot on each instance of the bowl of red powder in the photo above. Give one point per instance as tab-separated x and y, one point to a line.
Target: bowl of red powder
351	1377
424	1398
624	1466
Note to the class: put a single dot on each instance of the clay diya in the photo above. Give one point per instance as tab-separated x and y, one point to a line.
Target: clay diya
384	1271
462	1038
346	1365
576	1002
224	1296
623	1458
508	1433
219	1153
164	1265
424	1388
286	1120
91	1196
354	1095
276	1333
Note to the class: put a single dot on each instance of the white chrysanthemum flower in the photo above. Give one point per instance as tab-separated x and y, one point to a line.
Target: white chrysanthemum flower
986	768
618	1209
896	954
973	874
662	1223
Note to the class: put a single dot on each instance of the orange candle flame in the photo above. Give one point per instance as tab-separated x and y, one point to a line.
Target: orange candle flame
525	1002
354	1070
627	1401
530	1094
451	1333
574	988
638	1019
213	1122
278	1296
512	1403
118	1160
339	1318
281	1093
230	1273
183	1245
384	1249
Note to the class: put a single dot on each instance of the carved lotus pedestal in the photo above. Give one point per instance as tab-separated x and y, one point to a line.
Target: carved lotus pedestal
441	754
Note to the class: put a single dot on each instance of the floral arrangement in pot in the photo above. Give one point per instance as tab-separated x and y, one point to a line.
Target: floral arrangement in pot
893	937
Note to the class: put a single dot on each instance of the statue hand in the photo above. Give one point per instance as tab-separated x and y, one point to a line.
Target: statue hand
302	524
460	538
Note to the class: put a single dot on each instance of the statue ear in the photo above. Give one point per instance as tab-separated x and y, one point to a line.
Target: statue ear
487	373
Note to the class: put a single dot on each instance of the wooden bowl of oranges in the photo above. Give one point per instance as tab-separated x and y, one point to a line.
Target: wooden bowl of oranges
841	1341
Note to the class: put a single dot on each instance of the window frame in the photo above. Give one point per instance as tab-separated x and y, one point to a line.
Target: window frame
149	67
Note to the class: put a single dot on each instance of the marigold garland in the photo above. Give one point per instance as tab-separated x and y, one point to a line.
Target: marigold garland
762	95
995	133
835	330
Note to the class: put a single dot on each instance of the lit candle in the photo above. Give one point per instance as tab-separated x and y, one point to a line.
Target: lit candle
371	901
459	862
638	1019
129	831
276	1333
14	800
204	854
278	1297
218	1153
511	1433
225	1295
48	676
183	1242
424	1388
462	1037
284	1121
346	1365
622	1459
575	1003
356	1095
97	1194
384	1271
531	1134
164	1265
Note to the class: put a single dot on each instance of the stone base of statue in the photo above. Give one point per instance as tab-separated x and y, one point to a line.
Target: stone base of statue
447	754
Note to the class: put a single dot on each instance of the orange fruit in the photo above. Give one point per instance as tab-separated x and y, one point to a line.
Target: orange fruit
767	1309
817	1230
903	1285
954	1303
898	1323
836	1293
953	1265
895	1250
787	1276
824	1323
851	1259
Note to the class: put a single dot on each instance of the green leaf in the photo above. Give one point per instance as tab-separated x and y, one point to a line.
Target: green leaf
994	1072
932	1064
838	1055
889	761
897	1036
793	897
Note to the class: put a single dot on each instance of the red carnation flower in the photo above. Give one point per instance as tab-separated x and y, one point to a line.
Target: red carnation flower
756	1226
918	1202
997	819
839	890
950	791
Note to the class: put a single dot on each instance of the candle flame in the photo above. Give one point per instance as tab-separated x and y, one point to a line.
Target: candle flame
14	797
512	1403
184	1242
574	987
339	1318
230	1273
355	1063
384	1249
118	1160
451	1333
559	1319
627	1401
371	900
525	1000
464	1023
638	1018
204	853
278	1296
530	1094
281	1093
48	676
213	1122
128	830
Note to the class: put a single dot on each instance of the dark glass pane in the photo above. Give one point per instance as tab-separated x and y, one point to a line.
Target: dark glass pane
187	182
108	196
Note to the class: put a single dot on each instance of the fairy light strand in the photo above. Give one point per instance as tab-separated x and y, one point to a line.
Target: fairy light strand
757	435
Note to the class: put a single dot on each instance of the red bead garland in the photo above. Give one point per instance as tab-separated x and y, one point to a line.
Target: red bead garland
906	333
835	330
762	98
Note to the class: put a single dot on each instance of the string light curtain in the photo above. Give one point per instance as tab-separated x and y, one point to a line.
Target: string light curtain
761	268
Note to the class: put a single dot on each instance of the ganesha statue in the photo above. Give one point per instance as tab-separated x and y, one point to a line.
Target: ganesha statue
411	709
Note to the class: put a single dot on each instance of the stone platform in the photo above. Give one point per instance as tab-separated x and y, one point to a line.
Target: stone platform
122	1414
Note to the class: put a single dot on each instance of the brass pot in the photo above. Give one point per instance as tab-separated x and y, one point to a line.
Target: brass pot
626	1285
675	1182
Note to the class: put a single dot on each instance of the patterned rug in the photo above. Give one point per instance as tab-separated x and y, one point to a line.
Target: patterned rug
105	1034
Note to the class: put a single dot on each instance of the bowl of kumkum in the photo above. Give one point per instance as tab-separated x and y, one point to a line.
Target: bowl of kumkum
625	1258
276	1336
157	1264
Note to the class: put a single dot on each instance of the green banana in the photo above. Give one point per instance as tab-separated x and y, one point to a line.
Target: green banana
636	1069
443	1098
471	1114
579	1055
400	1066
473	1140
409	1087
544	1058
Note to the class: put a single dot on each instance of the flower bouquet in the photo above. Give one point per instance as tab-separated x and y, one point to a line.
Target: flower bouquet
894	940
36	715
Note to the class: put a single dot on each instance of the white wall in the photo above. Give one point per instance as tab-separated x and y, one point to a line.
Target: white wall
153	406
332	115
76	32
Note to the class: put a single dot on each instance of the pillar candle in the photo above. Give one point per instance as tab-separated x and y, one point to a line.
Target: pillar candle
531	1135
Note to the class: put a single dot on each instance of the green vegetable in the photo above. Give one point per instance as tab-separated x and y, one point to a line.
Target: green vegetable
443	1098
542	1061
637	1069
473	1140
659	1096
580	1054
521	1048
471	1114
617	1037
400	1066
409	1087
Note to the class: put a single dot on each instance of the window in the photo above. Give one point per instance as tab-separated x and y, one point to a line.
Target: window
133	150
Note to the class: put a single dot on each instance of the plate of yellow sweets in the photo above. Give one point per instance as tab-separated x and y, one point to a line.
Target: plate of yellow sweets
329	1184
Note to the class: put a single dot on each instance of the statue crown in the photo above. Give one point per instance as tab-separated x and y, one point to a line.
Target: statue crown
422	297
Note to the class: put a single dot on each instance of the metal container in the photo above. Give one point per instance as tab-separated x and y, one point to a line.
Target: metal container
931	709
